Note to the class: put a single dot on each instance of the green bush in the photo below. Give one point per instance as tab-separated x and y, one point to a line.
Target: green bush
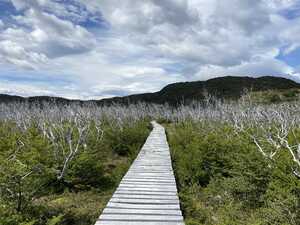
55	220
31	193
126	141
223	179
274	98
87	171
290	94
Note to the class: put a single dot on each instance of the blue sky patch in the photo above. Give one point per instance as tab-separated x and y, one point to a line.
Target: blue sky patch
33	77
174	68
7	11
79	14
292	59
291	13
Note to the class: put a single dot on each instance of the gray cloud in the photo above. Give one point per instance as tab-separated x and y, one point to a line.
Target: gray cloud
197	39
254	68
185	30
38	35
14	53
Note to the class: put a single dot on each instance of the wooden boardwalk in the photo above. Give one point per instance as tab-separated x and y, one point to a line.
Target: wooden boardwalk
147	195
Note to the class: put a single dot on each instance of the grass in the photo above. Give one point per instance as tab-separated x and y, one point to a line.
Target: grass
84	206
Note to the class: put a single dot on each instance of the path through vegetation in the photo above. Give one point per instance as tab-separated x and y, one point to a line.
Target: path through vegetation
147	195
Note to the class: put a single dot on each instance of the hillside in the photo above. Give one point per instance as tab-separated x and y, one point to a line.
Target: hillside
4	98
223	87
185	92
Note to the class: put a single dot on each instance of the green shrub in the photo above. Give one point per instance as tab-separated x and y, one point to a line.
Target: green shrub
31	193
274	98
55	220
129	139
223	179
290	94
87	172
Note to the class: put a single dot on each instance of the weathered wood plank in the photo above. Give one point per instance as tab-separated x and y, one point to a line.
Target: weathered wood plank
130	222
147	194
142	211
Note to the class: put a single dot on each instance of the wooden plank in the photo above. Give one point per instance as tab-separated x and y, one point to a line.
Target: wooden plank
142	211
130	222
141	217
147	194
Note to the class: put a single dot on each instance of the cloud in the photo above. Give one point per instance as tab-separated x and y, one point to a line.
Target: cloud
142	16
23	90
113	47
289	36
38	35
57	37
255	68
278	5
129	76
187	31
13	53
209	34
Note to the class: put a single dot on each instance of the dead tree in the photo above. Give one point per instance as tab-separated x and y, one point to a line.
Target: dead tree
68	137
271	129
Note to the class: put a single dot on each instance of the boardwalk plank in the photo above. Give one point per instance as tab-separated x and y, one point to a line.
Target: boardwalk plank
147	194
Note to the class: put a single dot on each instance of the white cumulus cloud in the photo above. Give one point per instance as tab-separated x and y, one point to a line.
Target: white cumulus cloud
113	47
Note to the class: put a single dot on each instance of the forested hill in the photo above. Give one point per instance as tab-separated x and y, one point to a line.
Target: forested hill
223	87
4	98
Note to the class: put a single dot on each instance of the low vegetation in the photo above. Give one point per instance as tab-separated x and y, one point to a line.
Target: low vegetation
60	165
223	179
235	162
238	164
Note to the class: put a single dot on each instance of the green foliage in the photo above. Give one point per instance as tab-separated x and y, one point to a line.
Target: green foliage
223	179
125	141
293	93
55	220
221	176
32	194
86	171
275	96
28	223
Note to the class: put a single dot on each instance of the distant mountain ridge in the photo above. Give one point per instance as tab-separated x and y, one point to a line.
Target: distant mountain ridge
222	87
5	98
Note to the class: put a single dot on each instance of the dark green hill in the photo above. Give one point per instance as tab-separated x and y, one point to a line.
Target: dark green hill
184	92
4	98
223	87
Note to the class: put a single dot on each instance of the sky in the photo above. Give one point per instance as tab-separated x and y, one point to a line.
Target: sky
93	49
